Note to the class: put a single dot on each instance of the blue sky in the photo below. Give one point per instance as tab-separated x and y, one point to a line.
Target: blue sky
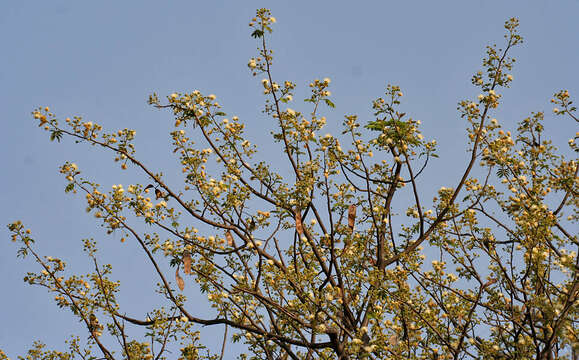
102	59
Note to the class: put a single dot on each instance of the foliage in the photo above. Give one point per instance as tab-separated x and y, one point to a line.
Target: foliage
319	264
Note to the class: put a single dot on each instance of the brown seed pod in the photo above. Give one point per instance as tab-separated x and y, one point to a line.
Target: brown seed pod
299	226
187	262
180	281
229	237
351	216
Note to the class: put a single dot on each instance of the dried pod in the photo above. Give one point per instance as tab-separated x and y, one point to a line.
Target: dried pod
393	340
187	262
299	226
351	217
180	281
229	237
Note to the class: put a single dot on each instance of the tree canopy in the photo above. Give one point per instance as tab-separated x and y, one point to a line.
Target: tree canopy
339	257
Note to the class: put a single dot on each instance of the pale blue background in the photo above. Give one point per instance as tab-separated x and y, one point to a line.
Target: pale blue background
102	59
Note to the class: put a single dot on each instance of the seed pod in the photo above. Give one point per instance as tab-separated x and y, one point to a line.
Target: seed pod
179	279
187	262
229	237
299	226
351	216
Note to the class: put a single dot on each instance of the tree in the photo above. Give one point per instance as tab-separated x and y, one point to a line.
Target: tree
322	265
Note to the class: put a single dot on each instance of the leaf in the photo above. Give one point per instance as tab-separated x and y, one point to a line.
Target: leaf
299	226
179	279
351	216
330	103
377	125
56	135
69	187
229	237
220	113
502	172
257	34
186	262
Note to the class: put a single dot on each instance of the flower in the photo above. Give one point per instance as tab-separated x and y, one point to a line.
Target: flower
369	348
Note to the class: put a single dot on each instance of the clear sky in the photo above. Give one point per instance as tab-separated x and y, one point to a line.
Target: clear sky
101	59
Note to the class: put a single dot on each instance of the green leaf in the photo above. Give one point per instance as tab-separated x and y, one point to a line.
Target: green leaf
502	172
220	113
377	125
257	34
329	103
174	262
56	134
69	187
